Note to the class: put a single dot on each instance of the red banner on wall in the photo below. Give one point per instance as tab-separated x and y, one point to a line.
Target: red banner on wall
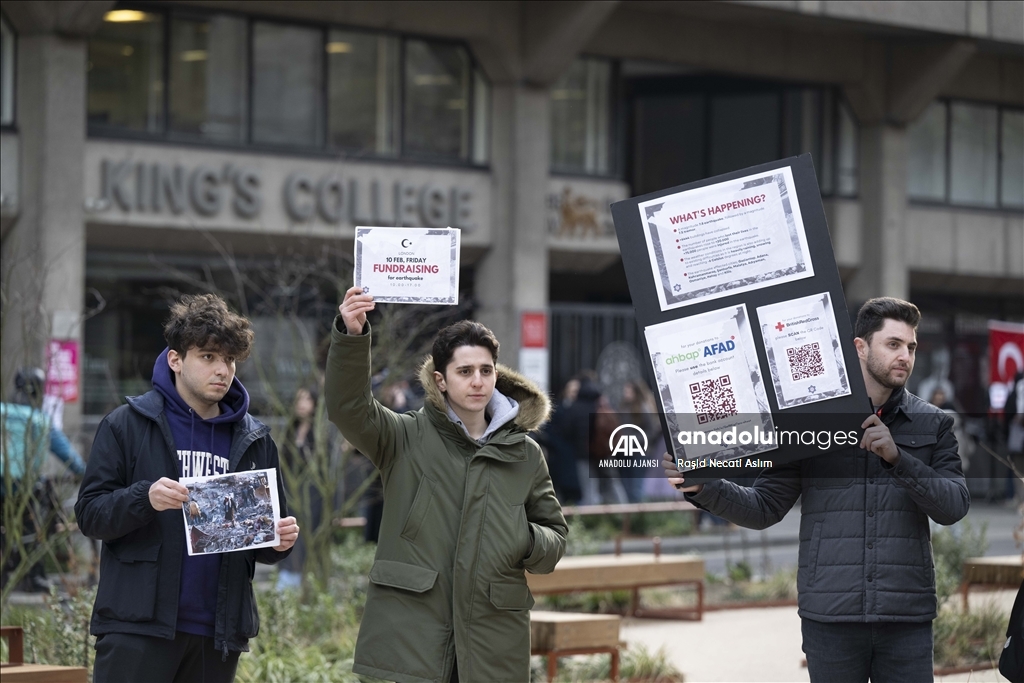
62	369
1005	359
533	347
534	330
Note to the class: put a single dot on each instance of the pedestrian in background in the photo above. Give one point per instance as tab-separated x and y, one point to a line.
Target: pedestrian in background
28	436
638	408
591	423
1013	420
965	441
556	437
298	452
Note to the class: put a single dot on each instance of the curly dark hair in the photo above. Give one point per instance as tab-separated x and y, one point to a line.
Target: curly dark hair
204	321
462	333
873	314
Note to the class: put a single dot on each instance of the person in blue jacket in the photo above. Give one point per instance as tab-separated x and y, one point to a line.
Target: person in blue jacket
28	436
29	433
161	615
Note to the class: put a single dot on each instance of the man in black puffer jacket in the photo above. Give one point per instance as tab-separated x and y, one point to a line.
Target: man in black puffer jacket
161	615
865	580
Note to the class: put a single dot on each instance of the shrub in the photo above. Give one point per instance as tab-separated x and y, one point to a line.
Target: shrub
636	664
778	586
581	539
952	545
969	639
57	633
312	641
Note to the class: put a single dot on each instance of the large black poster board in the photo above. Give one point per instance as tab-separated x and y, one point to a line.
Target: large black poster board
734	281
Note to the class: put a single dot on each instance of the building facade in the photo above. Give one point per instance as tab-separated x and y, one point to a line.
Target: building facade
156	147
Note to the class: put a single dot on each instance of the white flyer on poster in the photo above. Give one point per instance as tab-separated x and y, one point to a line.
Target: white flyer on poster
229	512
804	354
711	388
727	238
408	265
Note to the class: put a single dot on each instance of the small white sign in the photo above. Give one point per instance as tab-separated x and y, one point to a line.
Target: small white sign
732	237
709	380
533	363
805	357
408	265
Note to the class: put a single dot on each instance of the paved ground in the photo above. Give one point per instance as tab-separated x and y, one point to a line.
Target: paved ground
752	645
779	544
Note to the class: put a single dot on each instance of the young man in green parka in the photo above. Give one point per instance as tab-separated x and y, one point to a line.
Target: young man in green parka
468	507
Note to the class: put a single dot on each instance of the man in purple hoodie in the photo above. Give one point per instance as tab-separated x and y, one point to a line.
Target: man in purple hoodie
160	614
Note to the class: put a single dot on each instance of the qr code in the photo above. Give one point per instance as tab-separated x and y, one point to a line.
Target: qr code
713	399
805	361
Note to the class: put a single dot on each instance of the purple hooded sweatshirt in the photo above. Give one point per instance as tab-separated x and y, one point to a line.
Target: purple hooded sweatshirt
202	447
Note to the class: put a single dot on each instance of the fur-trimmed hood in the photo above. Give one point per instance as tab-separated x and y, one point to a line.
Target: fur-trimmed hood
534	404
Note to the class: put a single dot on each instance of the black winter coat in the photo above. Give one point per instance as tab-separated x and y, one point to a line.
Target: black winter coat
865	543
140	565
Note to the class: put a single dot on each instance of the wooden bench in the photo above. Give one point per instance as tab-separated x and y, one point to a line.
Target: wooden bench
1001	571
16	671
624	509
15	637
630	571
561	634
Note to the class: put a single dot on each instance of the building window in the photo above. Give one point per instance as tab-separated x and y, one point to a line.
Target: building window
241	81
208	86
581	119
973	155
967	154
287	84
926	161
802	122
126	72
847	169
689	128
6	73
481	118
363	92
838	168
437	99
1011	157
744	130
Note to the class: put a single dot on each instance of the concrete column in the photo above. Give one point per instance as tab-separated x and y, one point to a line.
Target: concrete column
538	43
883	197
513	276
44	252
899	82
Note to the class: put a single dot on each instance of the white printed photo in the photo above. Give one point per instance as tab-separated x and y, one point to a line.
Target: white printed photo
228	512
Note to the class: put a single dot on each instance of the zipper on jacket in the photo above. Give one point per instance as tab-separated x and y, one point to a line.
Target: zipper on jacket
458	546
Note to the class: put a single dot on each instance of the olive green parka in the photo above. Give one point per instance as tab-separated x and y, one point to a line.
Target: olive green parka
462	524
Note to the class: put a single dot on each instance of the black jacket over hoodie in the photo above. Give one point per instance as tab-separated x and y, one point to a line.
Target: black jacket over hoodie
140	563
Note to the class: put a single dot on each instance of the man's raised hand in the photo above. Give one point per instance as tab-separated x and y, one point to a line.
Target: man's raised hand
167	494
675	477
354	309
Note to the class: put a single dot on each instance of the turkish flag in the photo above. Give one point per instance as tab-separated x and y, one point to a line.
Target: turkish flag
1005	359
